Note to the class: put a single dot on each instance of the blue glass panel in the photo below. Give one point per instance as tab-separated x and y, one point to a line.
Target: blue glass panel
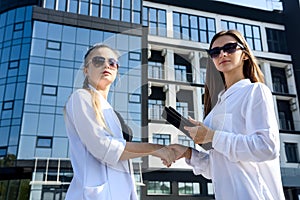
211	24
23	67
62	5
95	10
10	17
248	31
136	5
126	15
84	8
27	29
73	6
46	122
17	112
10	92
106	2
79	52
4	69
162	16
4	135
1	35
14	135
40	30
28	13
152	15
15	52
116	14
63	94
96	37
136	17
67	51
30	123
82	36
5	54
116	3
203	36
202	23
54	32
33	94
65	77
3	19
194	35
20	92
25	51
49	4
105	12
6	114
184	20
126	4
35	74
50	75
20	14
194	21
9	32
69	34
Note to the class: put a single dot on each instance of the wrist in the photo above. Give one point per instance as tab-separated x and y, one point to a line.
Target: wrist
188	153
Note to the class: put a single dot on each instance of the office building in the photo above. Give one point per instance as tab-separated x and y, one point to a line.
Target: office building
163	63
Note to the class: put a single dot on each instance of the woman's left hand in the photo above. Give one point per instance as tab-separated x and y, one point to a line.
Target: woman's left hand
200	133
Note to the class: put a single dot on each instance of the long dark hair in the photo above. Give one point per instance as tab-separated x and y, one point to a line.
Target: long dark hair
215	81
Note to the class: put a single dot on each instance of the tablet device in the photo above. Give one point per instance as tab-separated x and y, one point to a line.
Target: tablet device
176	119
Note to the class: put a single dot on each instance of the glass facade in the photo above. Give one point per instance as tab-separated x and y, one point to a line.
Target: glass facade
55	64
276	41
120	10
15	40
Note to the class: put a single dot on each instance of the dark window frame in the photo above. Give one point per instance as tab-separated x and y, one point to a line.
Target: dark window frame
44	138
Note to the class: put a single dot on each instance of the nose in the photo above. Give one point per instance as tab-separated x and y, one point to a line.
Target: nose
223	53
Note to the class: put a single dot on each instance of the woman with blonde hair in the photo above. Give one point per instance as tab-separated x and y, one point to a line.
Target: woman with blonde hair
98	151
240	123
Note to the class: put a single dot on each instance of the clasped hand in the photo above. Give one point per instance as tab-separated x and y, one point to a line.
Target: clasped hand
200	134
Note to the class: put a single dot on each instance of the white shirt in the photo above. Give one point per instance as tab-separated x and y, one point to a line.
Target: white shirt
95	153
244	161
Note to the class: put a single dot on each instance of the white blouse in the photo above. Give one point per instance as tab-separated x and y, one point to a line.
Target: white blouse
95	153
244	160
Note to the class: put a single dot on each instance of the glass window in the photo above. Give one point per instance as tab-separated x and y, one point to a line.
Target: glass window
49	90
62	5
73	6
191	27
44	142
8	105
277	41
13	64
184	140
279	80
134	98
156	21
163	139
54	45
49	4
84	8
250	32
188	188
3	152
159	188
210	189
286	121
291	152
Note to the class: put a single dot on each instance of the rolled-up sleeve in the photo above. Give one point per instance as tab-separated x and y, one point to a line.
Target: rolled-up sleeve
200	163
101	144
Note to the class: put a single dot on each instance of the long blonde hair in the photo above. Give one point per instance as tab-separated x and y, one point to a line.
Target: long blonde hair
214	84
95	98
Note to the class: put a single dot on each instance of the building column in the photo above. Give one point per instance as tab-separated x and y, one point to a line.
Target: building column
169	74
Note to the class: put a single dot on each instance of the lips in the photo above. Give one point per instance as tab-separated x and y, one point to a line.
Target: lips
106	72
224	61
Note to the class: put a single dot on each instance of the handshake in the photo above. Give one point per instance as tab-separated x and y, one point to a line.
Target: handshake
170	153
198	132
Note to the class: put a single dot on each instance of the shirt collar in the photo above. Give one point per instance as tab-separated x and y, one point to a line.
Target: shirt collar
238	85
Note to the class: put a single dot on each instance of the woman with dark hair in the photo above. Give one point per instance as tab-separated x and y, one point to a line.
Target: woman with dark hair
240	123
99	152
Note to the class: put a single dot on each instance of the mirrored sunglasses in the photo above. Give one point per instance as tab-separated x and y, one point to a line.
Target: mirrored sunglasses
227	48
99	61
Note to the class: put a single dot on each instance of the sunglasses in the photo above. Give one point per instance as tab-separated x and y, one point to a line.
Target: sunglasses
99	61
228	48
